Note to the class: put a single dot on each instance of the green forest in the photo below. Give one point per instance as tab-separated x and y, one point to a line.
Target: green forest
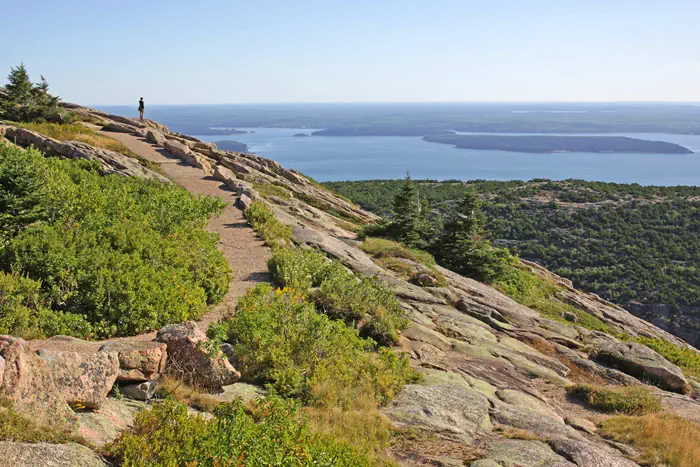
625	242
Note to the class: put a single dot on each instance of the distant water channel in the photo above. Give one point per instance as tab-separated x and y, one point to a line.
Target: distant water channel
332	158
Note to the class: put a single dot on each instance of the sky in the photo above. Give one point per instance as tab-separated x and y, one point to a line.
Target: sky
270	51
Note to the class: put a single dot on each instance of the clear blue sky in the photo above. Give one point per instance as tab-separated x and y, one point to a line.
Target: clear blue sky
231	51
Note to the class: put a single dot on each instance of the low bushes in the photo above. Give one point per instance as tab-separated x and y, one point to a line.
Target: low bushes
265	223
382	248
111	256
274	434
630	401
339	293
280	339
662	439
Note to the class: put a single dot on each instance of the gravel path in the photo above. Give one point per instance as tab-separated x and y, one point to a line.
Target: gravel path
244	252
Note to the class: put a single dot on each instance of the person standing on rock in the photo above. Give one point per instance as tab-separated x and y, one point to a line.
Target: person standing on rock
141	108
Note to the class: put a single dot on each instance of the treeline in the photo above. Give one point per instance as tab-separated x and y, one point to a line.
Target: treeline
626	242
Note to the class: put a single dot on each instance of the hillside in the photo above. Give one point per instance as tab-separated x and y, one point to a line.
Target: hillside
378	356
551	144
602	236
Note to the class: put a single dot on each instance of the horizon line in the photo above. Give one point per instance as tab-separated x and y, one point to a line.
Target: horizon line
410	102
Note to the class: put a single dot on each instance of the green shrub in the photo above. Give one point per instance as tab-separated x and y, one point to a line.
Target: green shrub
274	435
23	313
266	224
339	293
280	339
630	401
114	255
268	189
382	248
687	359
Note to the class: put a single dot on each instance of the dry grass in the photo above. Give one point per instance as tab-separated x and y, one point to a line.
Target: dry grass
576	374
662	439
190	395
365	429
420	448
517	433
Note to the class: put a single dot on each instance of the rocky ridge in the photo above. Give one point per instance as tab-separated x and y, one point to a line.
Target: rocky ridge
490	365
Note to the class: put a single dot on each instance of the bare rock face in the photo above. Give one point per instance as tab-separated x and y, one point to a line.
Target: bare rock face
24	376
67	370
640	361
525	453
104	425
588	454
138	360
453	412
120	128
48	455
189	358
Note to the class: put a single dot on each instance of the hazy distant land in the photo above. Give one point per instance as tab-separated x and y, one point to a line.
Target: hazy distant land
552	144
235	146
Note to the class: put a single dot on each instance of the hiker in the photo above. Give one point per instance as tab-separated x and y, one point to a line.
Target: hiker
141	108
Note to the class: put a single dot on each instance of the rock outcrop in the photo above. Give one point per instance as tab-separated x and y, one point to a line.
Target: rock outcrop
642	362
191	360
48	455
111	162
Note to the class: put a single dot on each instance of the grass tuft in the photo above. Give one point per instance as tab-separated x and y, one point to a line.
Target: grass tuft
629	401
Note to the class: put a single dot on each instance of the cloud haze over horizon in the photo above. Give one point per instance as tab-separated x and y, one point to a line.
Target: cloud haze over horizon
271	51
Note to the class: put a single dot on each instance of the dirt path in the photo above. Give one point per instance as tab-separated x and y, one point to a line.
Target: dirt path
244	252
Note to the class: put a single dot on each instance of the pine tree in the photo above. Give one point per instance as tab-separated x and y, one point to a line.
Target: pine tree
19	86
407	208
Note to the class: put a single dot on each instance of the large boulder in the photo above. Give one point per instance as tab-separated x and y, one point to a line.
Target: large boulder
48	455
155	137
191	361
82	372
225	175
138	360
57	370
640	361
104	425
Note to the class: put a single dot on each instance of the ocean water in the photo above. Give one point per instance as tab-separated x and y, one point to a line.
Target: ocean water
333	158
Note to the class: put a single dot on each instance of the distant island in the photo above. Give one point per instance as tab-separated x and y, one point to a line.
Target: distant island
234	146
553	144
220	131
300	135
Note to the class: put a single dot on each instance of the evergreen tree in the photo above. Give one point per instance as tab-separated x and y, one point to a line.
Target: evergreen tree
462	248
407	209
21	100
19	87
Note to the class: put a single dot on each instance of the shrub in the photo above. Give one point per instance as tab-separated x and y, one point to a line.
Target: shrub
662	439
268	189
686	358
274	435
266	224
383	248
339	293
23	313
280	339
113	255
630	401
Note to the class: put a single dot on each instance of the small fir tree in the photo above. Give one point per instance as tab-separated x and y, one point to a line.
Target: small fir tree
407	214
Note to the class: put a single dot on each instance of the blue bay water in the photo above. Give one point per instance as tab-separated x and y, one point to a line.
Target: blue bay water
332	158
